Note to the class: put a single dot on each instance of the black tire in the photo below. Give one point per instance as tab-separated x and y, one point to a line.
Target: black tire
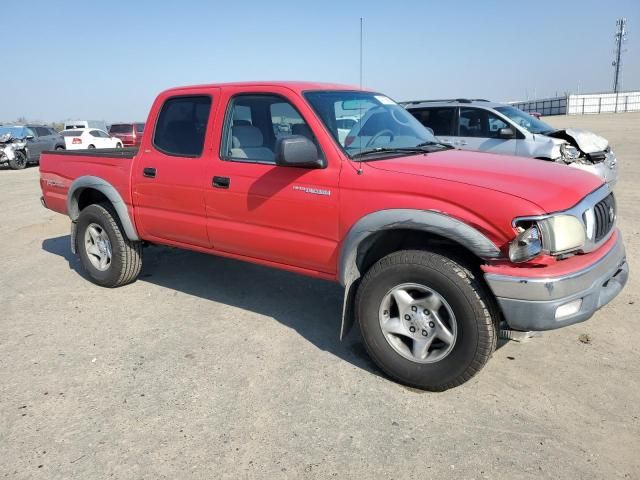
19	162
472	304
91	146
126	259
60	147
118	145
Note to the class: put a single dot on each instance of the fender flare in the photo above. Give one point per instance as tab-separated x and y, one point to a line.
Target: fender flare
407	219
109	191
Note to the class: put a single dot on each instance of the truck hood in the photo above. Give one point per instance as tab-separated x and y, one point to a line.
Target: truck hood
585	140
550	186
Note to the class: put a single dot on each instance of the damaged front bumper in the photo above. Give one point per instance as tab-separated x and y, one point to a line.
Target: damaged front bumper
546	303
607	169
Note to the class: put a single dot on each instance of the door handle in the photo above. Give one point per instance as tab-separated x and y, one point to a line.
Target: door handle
221	182
149	172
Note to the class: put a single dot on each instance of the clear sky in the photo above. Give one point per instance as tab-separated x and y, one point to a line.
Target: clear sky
108	59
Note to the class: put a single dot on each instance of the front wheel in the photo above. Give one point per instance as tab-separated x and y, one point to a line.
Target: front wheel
426	320
108	256
19	161
118	145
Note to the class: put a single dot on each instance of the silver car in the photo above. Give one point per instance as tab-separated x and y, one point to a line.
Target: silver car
496	128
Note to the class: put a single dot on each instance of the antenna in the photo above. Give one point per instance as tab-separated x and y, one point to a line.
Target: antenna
360	52
360	103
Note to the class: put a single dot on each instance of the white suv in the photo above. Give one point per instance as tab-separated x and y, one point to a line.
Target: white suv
496	128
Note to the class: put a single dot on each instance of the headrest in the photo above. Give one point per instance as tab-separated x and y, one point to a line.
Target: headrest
245	136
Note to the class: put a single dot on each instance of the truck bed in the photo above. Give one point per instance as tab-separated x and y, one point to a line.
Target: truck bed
128	152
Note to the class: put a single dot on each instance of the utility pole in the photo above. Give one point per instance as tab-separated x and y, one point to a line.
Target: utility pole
620	36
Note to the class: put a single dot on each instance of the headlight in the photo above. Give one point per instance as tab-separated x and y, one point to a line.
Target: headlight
526	245
562	233
569	152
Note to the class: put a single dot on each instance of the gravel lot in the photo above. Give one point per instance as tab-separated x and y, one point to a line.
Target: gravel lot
212	368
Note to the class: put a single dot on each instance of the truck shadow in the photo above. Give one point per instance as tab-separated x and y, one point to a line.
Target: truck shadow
311	307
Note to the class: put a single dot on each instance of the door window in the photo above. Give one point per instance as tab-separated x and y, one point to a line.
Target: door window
441	120
181	126
41	131
94	133
255	123
477	122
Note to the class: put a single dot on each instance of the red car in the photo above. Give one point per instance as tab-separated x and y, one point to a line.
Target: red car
435	247
129	133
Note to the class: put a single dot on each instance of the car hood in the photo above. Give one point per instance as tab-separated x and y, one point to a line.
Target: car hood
551	186
585	140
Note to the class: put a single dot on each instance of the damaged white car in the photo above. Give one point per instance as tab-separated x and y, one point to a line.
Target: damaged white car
12	150
485	126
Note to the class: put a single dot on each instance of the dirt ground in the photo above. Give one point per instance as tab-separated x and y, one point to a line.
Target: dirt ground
212	368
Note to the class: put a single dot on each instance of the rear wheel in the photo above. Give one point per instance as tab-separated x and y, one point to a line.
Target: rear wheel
91	146
59	147
118	145
108	256
426	320
19	161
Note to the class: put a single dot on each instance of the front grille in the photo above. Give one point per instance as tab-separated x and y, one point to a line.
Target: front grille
605	216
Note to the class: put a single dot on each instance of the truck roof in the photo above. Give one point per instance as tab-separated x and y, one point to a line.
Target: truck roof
297	86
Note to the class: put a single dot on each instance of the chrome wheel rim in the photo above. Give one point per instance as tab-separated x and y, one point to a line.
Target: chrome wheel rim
98	247
418	323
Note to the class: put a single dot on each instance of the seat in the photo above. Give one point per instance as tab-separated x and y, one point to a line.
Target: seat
247	143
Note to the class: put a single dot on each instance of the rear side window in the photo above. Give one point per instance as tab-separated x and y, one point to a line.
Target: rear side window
94	133
71	133
139	127
440	120
181	126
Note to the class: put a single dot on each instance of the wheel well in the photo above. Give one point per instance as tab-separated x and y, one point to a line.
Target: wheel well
89	196
382	243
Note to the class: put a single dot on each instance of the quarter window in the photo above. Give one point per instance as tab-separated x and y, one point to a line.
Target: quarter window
181	126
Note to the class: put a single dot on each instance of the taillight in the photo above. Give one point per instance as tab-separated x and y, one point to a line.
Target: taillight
76	141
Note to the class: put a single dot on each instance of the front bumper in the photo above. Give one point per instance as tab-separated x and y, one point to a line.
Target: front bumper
532	303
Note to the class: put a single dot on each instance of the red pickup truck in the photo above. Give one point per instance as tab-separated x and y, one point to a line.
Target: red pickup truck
435	247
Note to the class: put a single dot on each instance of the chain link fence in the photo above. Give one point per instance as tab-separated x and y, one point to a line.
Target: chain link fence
588	103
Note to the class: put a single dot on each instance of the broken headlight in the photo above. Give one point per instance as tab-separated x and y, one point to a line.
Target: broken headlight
527	245
569	152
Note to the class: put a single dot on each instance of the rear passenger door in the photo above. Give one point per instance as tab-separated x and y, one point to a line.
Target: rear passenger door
442	120
478	130
168	177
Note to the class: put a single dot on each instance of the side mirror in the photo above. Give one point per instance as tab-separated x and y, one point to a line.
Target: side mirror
297	151
29	137
506	133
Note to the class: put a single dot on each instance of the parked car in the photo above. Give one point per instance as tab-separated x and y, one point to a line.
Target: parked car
407	224
38	138
486	126
72	124
129	133
81	138
13	151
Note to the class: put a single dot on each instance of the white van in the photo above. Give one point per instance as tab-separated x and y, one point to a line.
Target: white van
99	124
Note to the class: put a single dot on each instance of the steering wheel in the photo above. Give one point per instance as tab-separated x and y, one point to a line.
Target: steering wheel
380	134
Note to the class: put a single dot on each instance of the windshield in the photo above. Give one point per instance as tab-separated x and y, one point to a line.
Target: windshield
364	121
16	132
526	121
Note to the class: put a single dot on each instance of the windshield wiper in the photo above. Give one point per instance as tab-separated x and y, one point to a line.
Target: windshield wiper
436	144
374	151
